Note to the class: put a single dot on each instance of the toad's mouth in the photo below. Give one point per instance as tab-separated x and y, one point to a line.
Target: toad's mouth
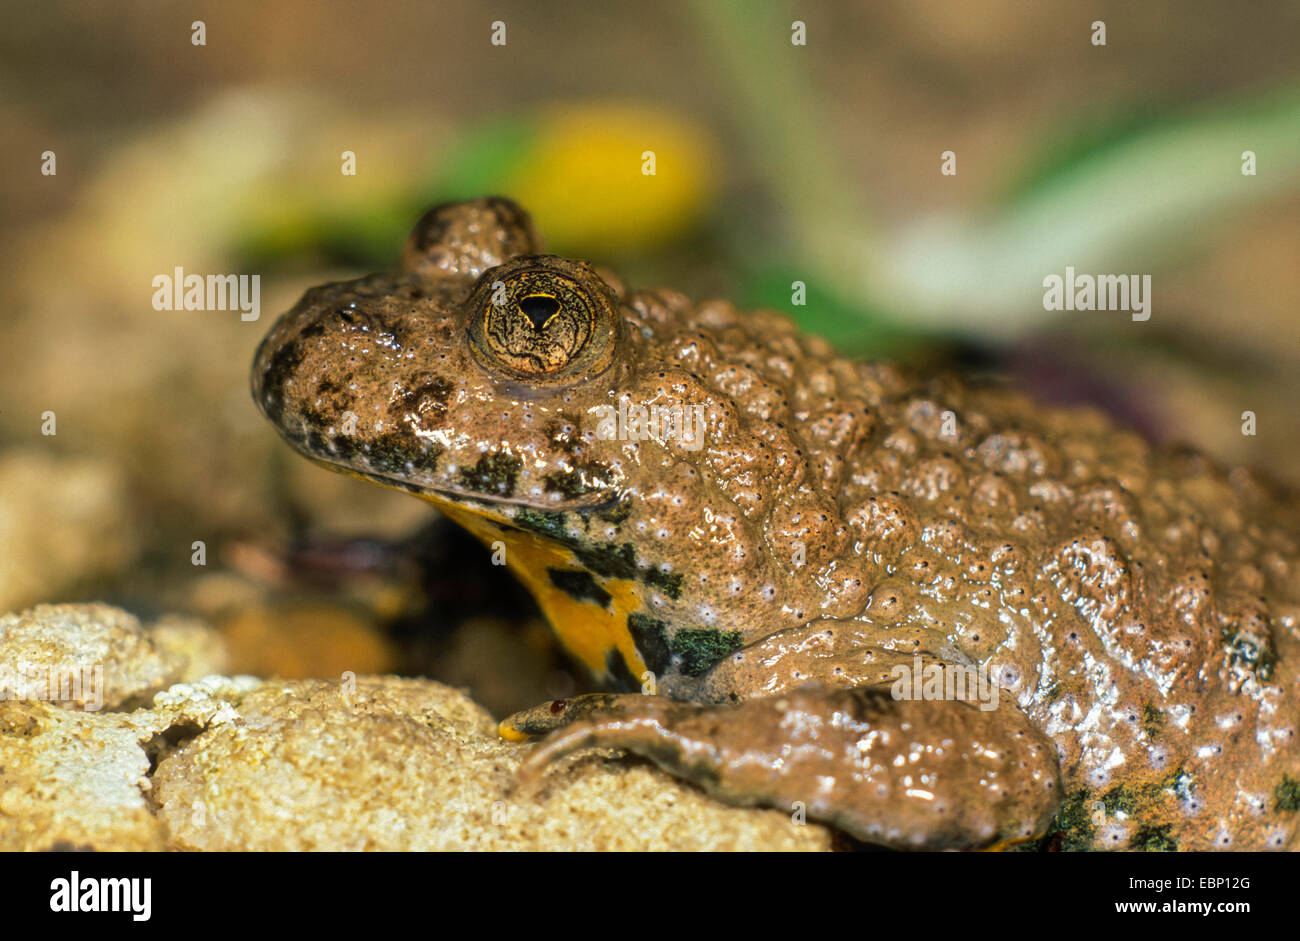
482	504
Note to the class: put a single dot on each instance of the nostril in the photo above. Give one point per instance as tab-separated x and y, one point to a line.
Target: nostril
350	315
539	308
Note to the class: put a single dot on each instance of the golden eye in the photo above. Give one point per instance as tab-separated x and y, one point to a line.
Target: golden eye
543	319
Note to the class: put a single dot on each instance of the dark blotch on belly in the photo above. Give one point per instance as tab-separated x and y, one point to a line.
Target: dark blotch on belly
579	586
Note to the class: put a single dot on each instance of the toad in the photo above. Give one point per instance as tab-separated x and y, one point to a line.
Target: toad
930	613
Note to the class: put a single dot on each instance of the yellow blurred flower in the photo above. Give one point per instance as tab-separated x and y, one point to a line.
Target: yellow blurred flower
587	178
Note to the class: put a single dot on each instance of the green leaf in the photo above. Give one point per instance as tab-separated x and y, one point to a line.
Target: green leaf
853	327
485	160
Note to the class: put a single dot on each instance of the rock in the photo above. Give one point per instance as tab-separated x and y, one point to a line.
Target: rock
401	764
75	780
81	780
176	762
100	653
200	649
389	764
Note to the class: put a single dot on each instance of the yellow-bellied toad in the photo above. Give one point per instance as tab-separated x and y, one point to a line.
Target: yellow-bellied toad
791	578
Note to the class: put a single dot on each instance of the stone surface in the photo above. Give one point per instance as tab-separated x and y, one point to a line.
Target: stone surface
75	780
376	763
404	764
102	649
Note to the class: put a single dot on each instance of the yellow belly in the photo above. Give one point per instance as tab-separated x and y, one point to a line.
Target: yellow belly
589	630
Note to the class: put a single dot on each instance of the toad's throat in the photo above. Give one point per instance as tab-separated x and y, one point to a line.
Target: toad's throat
589	615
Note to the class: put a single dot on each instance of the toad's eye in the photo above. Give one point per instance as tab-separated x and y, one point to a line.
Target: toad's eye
543	319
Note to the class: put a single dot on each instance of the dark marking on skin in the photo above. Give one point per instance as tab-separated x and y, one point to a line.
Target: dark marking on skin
579	586
1286	796
620	562
1072	827
610	561
388	453
670	583
345	447
372	319
494	474
542	522
313	329
316	442
700	648
584	477
1133	801
590	477
1119	799
651	638
283	363
619	673
618	512
1152	719
1154	839
313	418
391	451
425	395
567	441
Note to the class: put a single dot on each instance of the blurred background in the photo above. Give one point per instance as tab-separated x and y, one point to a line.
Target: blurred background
775	162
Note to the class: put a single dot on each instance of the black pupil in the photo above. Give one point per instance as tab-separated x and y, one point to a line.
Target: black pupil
539	308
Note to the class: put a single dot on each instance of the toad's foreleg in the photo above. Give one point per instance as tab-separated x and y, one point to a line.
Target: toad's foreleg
903	774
